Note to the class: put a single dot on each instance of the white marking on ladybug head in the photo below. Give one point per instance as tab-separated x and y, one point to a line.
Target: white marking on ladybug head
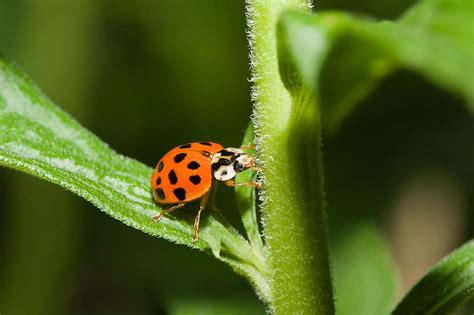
224	173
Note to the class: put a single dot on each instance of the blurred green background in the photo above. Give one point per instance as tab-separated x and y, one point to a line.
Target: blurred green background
147	75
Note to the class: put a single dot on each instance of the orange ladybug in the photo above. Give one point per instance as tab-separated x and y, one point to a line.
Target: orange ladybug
189	171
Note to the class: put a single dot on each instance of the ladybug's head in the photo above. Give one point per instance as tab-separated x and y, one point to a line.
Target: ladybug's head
228	162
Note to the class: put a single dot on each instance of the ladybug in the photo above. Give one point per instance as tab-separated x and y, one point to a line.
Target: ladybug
190	171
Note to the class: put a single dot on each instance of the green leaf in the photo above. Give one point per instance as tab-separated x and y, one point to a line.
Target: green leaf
343	57
446	286
38	138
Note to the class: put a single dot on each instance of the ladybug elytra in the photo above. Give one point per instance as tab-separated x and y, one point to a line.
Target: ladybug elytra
188	172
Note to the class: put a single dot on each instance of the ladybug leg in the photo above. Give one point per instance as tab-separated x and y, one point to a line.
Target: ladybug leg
248	146
252	164
212	200
158	217
202	206
231	183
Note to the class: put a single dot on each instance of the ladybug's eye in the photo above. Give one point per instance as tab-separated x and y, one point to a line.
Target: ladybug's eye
239	167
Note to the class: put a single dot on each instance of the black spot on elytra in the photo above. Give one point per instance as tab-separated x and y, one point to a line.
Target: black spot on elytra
224	173
179	157
160	166
180	193
193	165
205	143
226	153
195	179
158	181
185	146
160	193
172	177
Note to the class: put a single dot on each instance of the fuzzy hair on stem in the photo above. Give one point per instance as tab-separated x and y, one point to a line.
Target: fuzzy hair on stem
288	142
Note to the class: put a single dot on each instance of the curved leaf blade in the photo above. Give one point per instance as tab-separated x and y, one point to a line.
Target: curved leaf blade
343	57
42	140
38	138
446	286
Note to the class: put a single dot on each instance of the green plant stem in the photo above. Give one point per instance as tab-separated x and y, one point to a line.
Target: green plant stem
287	131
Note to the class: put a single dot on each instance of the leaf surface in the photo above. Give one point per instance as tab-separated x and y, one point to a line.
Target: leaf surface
38	138
343	57
449	284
